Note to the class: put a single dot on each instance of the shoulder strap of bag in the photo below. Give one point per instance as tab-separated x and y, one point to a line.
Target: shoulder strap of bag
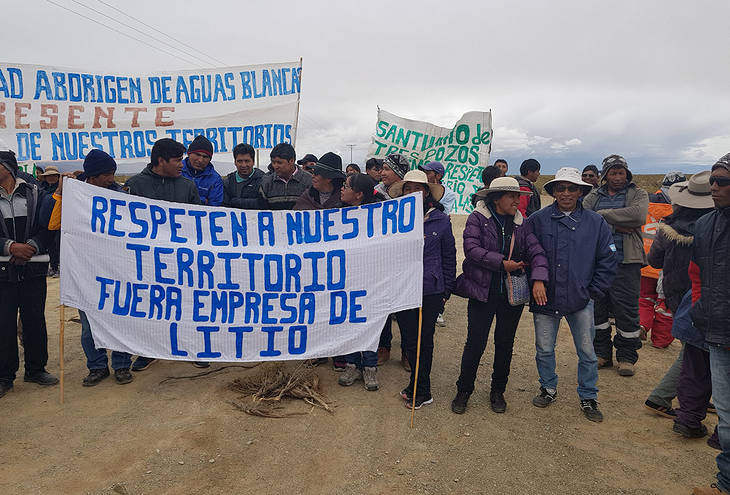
511	245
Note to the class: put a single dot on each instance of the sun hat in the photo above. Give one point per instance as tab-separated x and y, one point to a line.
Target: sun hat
568	174
329	166
419	177
506	184
50	170
694	193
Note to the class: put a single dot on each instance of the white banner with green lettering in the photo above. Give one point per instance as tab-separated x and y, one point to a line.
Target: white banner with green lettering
463	149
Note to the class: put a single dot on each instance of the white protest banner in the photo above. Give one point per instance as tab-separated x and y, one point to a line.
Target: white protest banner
57	114
463	149
188	282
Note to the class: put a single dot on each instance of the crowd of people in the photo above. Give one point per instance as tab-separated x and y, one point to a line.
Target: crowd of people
579	258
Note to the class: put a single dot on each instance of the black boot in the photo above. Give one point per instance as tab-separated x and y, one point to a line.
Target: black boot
95	377
458	405
496	400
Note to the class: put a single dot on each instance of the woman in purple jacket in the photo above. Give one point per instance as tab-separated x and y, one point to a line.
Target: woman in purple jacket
487	235
439	272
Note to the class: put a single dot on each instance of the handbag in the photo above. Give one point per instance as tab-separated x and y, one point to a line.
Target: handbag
518	287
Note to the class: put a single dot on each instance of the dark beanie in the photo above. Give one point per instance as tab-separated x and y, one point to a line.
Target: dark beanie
7	159
98	162
201	145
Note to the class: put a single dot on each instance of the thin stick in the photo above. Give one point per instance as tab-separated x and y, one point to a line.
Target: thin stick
60	344
418	360
299	99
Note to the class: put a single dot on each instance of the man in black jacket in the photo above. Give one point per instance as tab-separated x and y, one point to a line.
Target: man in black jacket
24	214
241	188
162	179
711	313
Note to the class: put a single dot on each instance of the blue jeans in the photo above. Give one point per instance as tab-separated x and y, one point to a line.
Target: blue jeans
583	330
368	359
96	359
720	369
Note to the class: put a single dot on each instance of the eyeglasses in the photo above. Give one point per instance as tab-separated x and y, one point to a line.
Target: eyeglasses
566	187
590	176
720	181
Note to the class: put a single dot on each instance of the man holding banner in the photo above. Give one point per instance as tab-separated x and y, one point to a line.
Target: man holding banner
24	237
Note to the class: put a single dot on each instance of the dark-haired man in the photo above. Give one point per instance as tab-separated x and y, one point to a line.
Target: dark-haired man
529	172
624	206
162	179
373	167
502	165
241	188
198	168
281	190
590	175
711	313
24	214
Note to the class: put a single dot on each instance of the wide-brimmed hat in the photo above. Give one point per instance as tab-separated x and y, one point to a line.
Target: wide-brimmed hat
694	193
50	170
568	174
506	184
329	166
419	177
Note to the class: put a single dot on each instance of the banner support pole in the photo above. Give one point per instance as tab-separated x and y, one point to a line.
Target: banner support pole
418	360
299	99
60	345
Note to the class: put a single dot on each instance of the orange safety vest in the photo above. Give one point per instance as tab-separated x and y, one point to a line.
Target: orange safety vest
657	211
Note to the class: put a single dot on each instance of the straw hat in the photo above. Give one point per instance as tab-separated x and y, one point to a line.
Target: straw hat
694	193
419	177
568	174
50	170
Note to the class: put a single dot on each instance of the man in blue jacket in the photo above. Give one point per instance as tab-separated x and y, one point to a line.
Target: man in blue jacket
197	168
711	313
581	254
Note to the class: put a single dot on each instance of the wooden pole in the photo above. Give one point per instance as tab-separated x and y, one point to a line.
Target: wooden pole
60	345
418	360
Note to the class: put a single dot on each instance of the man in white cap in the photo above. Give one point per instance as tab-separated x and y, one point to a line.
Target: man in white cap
580	251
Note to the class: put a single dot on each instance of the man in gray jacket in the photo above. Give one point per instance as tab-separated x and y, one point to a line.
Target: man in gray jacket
624	206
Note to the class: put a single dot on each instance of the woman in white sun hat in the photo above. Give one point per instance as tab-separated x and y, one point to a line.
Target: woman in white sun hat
494	230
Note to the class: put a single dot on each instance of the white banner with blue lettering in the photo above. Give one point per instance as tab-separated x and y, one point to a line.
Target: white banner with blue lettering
58	114
199	283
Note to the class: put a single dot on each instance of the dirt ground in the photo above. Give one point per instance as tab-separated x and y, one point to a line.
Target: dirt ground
185	437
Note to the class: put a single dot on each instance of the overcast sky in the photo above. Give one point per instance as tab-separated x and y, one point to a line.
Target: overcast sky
569	82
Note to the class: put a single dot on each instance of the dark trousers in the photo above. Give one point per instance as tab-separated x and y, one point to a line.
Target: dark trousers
695	386
408	323
54	250
28	296
479	319
386	336
622	299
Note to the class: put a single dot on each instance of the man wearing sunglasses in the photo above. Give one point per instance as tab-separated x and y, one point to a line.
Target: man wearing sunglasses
580	251
624	206
590	175
711	313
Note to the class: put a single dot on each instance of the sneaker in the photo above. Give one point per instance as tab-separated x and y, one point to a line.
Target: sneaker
339	364
406	394
95	377
350	376
666	412
590	410
123	376
458	405
707	490
625	368
420	402
370	377
605	362
41	378
142	363
688	431
440	320
383	355
201	364
5	387
497	402
404	362
544	398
